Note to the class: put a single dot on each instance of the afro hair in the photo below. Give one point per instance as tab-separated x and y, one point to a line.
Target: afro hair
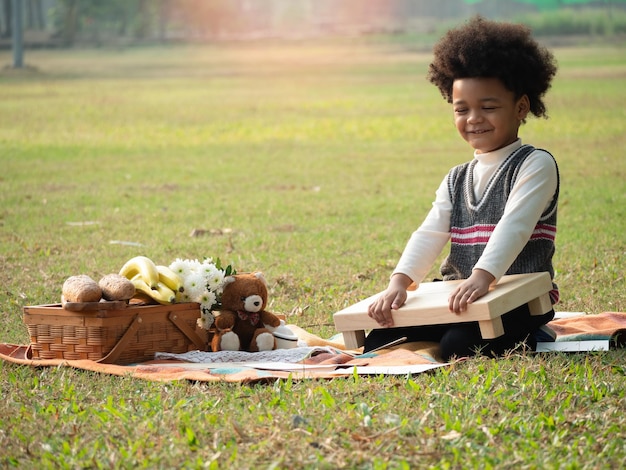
489	49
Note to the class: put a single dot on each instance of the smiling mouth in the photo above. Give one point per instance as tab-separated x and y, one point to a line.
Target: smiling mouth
478	132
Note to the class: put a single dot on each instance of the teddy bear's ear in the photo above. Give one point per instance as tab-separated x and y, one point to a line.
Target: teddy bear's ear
229	280
259	275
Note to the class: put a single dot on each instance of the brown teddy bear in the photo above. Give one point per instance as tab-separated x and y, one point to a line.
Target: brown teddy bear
241	322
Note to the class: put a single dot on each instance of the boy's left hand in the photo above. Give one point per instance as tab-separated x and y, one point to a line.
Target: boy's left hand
473	288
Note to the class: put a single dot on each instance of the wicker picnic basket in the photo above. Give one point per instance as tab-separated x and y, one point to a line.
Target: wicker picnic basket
113	333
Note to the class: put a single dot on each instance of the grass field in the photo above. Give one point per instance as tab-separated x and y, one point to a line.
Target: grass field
320	159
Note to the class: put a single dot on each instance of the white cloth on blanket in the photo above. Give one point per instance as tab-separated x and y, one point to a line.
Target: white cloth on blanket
292	355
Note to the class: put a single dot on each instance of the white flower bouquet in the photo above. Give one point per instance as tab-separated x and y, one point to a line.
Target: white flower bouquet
203	282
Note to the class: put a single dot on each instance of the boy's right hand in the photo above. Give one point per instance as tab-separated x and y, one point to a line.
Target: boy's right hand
392	299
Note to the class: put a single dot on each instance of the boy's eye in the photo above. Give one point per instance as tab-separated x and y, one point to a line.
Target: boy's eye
460	110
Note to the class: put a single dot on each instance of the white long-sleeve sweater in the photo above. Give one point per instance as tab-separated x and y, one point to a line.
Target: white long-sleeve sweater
531	194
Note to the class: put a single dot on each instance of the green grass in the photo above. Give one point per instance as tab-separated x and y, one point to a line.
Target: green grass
321	159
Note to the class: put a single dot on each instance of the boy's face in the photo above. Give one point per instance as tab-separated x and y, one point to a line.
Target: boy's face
486	114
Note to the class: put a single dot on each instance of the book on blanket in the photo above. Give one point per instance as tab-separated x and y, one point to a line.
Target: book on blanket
573	346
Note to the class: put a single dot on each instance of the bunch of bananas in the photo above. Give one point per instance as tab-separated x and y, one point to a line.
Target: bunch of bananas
153	281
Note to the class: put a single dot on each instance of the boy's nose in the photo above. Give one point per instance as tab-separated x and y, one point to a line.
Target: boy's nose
474	116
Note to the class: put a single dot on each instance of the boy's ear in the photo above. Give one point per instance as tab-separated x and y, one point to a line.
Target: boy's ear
523	107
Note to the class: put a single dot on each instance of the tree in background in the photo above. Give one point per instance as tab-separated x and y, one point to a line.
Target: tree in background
6	25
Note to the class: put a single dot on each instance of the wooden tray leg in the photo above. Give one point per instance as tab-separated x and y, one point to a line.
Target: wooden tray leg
354	339
490	329
540	305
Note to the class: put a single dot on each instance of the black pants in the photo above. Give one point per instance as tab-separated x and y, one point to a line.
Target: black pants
464	339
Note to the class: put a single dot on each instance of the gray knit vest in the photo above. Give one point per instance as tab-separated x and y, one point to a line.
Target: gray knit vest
472	222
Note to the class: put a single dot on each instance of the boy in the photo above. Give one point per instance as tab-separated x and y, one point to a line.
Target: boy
499	210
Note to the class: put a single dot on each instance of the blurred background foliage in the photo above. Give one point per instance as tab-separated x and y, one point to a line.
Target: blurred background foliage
118	23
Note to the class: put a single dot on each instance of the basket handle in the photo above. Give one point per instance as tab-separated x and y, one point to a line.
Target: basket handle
114	354
187	331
